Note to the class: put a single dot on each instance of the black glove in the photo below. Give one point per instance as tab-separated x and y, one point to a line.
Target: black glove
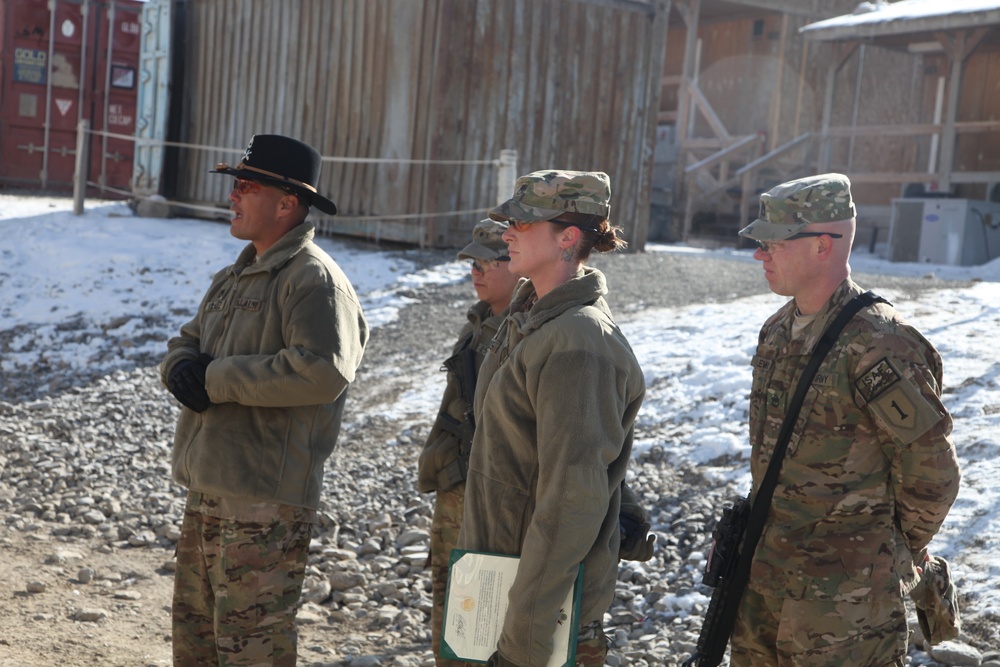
187	383
634	524
497	660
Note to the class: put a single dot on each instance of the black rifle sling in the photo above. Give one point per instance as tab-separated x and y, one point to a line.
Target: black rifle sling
762	501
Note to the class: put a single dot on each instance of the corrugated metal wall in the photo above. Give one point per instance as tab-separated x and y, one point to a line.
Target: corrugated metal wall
566	83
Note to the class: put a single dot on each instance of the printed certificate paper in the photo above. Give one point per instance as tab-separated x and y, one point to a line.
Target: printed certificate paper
476	603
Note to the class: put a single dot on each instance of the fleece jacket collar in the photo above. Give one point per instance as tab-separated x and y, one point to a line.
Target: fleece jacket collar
586	287
277	255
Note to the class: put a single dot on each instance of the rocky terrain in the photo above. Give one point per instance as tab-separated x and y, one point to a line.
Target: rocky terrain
89	514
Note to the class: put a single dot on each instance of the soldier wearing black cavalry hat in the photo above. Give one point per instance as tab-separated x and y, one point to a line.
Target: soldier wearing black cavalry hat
261	371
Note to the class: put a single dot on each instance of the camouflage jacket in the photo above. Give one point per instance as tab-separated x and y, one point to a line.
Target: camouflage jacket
870	471
443	445
555	405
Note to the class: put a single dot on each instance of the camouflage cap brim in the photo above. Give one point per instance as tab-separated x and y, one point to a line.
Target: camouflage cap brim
479	251
515	210
762	230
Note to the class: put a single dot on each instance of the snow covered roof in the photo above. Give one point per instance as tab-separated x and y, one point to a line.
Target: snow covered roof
877	19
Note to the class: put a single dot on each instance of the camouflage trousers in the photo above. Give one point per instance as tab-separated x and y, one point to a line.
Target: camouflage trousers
591	646
781	632
445	525
235	591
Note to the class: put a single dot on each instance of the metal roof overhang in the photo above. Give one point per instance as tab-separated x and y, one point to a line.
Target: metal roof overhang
894	27
729	10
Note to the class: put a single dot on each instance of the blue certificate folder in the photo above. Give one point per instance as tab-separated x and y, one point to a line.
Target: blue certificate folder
476	603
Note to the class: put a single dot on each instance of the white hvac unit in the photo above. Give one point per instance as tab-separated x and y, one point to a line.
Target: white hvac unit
961	232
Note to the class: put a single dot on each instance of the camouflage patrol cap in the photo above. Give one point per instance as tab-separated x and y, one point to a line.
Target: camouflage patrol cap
544	195
487	242
787	209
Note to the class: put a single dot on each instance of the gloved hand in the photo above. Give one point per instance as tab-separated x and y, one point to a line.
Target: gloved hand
444	463
497	660
434	463
936	601
634	524
187	382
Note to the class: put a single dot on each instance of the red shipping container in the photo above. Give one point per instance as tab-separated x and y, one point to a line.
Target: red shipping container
76	61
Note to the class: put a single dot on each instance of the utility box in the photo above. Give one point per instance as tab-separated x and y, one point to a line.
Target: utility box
962	232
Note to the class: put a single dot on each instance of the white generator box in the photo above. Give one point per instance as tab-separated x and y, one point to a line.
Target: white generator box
962	232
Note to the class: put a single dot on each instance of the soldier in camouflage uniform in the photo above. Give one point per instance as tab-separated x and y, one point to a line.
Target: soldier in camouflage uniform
870	471
262	372
445	457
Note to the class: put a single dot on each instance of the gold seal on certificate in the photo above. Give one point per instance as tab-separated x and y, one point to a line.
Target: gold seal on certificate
476	603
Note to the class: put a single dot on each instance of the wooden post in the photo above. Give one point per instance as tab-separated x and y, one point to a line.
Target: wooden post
840	56
506	175
776	99
80	169
802	79
958	49
655	56
689	10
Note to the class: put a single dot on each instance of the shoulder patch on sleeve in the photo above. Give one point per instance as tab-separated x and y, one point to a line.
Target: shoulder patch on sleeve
905	412
877	379
897	402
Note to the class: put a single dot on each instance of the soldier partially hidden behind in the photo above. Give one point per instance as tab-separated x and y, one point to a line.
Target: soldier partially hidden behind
444	460
262	371
870	472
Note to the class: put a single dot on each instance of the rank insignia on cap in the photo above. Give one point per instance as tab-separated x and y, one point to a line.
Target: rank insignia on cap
877	380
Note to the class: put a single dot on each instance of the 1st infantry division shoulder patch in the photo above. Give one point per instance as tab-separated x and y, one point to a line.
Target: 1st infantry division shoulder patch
877	380
899	404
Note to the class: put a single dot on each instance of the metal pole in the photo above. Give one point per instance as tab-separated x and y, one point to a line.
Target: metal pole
85	16
107	93
506	174
82	160
857	104
44	176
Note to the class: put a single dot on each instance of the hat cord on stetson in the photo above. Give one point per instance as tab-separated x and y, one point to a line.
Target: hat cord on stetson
271	174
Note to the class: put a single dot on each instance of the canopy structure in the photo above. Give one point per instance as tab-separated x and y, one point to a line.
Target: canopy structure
897	23
956	28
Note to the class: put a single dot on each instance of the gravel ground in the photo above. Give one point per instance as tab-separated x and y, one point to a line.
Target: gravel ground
90	515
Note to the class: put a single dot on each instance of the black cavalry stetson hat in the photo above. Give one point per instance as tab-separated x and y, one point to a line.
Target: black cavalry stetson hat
288	163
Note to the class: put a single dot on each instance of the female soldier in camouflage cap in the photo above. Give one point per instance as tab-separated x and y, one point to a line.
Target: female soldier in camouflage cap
558	393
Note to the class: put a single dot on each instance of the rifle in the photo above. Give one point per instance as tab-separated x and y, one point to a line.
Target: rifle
744	525
723	572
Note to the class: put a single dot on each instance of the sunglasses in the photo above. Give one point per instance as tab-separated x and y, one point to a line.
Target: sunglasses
771	246
519	225
245	186
487	265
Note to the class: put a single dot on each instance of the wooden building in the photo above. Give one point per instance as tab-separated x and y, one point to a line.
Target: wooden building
693	107
897	96
414	100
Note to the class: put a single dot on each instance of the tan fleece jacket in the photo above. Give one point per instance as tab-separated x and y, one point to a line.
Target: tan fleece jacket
287	334
555	406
